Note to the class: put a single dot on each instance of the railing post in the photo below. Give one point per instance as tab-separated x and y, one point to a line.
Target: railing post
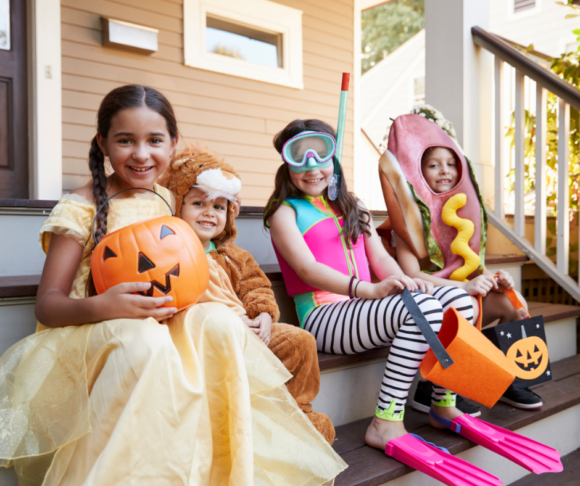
563	230
519	210
541	131
498	138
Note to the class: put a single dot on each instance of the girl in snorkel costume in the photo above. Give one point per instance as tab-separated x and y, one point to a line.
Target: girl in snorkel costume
438	217
325	250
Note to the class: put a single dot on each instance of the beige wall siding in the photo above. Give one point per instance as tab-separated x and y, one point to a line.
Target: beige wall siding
234	116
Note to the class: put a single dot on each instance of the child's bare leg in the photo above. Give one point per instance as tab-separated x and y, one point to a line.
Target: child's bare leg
381	431
476	309
496	306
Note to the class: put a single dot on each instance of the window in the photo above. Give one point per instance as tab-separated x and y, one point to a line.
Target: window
255	39
419	90
243	42
5	24
521	5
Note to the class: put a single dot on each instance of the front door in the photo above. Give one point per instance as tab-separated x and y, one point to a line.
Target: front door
13	100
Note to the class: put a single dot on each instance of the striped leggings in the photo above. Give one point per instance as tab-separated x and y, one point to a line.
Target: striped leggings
357	325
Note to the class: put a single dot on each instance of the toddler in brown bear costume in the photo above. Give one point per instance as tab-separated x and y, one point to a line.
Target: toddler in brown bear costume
206	192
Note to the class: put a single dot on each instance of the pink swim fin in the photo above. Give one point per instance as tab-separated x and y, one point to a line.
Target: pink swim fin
440	465
534	456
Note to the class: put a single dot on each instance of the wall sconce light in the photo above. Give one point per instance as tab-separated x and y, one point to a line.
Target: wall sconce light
127	36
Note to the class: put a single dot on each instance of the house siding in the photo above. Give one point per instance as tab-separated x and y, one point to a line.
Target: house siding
234	116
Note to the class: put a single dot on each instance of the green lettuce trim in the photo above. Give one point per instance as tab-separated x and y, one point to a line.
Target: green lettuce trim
433	249
483	241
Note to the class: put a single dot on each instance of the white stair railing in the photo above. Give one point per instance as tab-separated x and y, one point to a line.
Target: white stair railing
546	81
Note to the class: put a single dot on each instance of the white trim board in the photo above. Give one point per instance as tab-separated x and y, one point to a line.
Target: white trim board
45	99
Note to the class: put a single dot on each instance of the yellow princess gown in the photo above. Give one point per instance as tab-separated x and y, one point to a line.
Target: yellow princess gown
198	400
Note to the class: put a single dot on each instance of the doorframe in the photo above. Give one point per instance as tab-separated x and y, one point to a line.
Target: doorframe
45	99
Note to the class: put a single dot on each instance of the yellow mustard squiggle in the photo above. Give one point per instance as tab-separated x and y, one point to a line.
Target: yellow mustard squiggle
460	245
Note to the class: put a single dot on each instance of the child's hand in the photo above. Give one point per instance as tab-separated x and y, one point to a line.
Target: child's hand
481	285
261	325
505	280
424	286
390	286
122	302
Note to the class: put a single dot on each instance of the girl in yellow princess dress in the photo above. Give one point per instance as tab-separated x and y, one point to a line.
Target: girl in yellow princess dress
146	395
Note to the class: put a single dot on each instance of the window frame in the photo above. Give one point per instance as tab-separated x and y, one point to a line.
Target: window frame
265	15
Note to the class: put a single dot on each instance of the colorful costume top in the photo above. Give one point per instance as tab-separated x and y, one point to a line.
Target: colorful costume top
445	231
321	227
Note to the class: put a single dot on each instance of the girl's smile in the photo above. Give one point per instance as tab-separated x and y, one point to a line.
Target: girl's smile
206	217
440	169
313	182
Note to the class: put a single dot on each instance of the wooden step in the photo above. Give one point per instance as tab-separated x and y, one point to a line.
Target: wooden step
370	467
27	286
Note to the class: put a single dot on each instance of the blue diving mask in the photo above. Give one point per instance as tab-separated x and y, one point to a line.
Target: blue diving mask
309	151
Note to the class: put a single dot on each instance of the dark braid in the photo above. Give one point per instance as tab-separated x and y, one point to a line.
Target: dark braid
122	98
97	167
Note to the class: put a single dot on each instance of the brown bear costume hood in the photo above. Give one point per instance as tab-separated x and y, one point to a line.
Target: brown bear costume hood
200	167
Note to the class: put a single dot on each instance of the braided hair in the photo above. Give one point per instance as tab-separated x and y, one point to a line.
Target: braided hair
122	98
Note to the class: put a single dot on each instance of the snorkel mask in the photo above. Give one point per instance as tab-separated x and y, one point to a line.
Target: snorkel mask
309	151
317	150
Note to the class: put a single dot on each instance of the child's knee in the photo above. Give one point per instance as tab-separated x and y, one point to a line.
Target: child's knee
219	321
143	339
291	342
428	304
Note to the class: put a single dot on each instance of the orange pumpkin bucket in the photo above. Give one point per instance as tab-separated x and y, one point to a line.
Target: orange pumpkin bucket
480	371
164	251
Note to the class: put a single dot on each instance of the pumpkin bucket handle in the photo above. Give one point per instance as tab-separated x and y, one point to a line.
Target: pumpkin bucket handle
117	193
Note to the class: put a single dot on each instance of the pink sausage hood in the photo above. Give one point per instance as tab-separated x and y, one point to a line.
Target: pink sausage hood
409	137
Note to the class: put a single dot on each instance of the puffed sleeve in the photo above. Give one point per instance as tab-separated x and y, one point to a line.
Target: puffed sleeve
72	217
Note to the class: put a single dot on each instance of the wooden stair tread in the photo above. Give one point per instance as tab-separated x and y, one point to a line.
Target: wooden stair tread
27	286
20	286
370	467
495	259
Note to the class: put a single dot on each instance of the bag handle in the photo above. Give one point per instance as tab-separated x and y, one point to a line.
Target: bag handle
117	193
513	298
432	340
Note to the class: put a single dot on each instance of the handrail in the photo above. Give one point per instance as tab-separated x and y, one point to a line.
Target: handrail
522	63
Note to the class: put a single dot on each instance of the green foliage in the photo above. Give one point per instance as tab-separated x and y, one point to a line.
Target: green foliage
576	9
229	51
551	150
386	27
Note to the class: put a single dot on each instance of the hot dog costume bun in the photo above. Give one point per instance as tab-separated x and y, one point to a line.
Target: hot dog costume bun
446	231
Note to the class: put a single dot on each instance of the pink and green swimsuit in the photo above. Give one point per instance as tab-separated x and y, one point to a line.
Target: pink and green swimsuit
321	227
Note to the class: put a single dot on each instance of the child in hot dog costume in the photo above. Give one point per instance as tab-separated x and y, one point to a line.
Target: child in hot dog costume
200	178
439	221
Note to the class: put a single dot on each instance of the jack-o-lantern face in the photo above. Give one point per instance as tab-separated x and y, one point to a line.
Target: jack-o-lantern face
530	356
164	251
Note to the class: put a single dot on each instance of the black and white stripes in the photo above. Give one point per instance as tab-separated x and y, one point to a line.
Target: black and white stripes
357	325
